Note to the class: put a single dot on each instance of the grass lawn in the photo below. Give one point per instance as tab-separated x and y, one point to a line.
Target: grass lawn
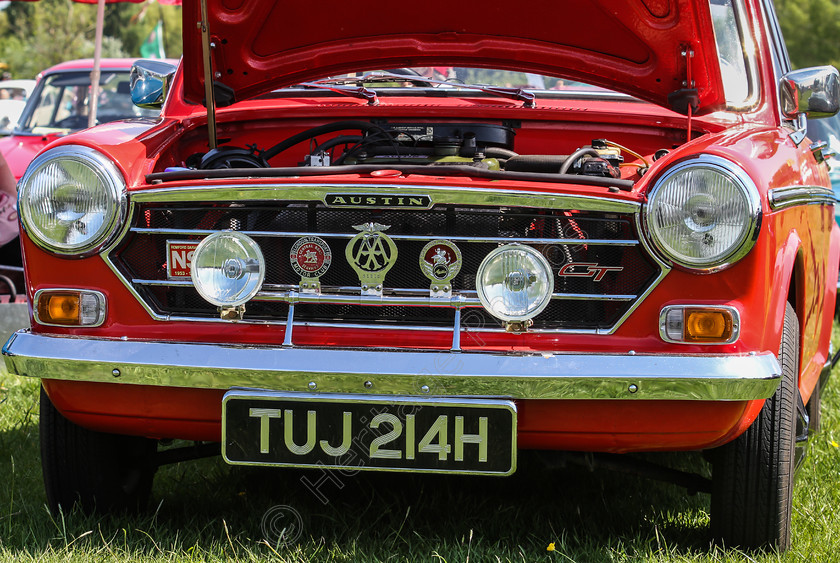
208	511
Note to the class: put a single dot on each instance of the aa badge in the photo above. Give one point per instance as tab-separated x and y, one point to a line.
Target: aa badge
371	253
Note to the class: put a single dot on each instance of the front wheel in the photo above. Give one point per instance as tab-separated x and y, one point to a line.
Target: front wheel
752	476
101	472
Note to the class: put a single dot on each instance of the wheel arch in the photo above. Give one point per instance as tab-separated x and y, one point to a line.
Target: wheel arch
791	283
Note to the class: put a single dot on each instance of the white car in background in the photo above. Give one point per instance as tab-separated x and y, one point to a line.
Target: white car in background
13	96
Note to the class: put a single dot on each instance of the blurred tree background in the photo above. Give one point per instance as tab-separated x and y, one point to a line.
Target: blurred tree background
37	35
812	31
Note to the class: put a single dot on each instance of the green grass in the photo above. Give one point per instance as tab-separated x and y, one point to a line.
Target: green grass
208	511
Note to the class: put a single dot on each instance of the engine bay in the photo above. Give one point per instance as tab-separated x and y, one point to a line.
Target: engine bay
478	146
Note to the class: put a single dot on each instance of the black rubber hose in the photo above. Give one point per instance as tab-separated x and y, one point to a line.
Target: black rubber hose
499	152
546	163
376	150
424	169
320	130
576	155
367	142
340	140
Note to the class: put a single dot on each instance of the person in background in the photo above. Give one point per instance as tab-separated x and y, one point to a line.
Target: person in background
9	234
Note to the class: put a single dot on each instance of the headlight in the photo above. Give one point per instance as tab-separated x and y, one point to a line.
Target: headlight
227	268
514	282
704	214
71	200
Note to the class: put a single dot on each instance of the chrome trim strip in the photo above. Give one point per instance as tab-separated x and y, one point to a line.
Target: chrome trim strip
395	372
424	292
357	299
782	198
440	195
736	322
277	294
162	283
454	302
462	239
373	400
749	51
419	301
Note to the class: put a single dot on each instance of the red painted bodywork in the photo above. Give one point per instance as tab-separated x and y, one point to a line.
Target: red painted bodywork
797	251
260	46
615	426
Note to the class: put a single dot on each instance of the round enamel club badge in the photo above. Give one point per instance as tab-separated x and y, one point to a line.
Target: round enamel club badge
440	261
310	257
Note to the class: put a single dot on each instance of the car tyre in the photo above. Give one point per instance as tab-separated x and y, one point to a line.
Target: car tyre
102	473
752	476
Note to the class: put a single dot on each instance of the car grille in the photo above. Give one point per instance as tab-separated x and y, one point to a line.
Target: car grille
595	241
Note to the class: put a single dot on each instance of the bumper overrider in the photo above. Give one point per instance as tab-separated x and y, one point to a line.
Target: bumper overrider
395	372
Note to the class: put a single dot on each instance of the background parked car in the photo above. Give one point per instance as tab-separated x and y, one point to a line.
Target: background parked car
60	104
13	96
828	130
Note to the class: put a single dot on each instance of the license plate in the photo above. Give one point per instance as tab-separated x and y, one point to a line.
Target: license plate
476	436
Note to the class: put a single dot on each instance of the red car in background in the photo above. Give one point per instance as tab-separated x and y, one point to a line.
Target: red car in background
60	104
602	230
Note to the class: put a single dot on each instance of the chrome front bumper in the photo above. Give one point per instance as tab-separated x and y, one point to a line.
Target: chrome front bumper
395	372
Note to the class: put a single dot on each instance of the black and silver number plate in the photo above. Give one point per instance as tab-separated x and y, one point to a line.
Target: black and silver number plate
365	432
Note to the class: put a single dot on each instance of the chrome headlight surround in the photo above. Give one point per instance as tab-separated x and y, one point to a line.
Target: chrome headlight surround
71	200
697	204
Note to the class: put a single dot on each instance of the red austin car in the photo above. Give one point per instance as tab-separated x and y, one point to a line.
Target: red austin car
420	243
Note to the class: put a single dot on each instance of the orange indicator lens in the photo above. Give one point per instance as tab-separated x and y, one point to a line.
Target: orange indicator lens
60	308
707	326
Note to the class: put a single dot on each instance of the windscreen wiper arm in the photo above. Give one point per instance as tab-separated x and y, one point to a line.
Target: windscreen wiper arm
526	96
353	91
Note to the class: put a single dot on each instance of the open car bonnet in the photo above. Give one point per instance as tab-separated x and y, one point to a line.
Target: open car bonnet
636	46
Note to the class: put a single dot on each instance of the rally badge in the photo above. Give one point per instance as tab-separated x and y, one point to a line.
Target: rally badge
440	261
310	257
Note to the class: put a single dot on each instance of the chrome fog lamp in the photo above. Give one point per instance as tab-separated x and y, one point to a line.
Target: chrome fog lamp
71	200
704	214
228	268
514	283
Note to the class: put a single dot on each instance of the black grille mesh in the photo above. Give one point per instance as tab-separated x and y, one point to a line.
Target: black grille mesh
142	257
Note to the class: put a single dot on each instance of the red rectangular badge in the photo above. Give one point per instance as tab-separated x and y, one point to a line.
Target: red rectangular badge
179	255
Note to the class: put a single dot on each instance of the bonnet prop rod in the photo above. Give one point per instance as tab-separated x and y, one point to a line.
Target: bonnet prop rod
209	96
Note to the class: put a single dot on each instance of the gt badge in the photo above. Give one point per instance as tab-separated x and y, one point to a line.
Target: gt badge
310	258
587	270
440	261
371	253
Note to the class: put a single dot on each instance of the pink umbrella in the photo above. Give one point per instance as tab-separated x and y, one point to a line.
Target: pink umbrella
97	50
